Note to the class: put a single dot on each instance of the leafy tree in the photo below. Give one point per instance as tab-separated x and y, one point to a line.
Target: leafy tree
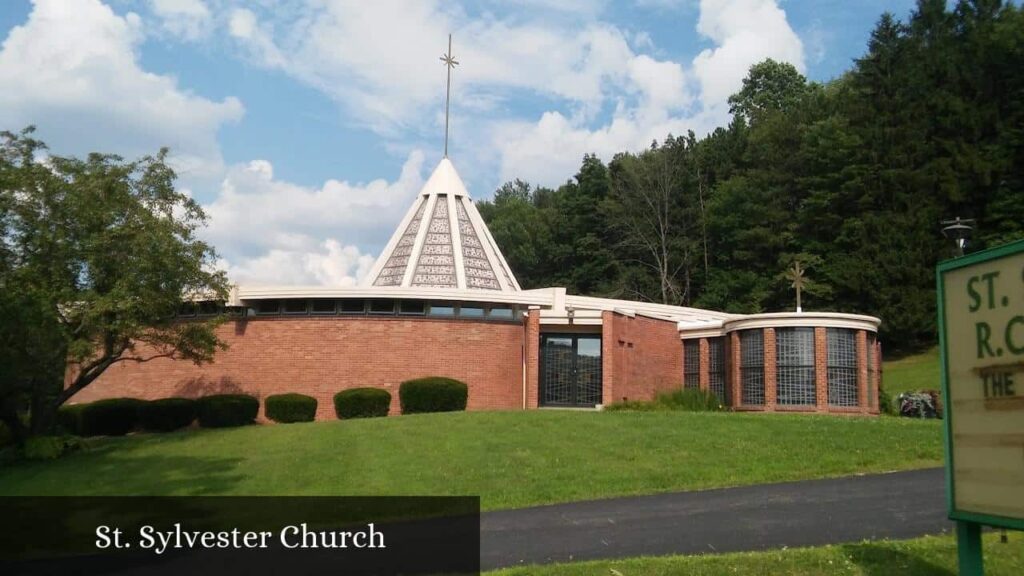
770	86
98	255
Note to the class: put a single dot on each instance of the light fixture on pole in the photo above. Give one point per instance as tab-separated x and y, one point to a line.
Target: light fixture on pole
959	231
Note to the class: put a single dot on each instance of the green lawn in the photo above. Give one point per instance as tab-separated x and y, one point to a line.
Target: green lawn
918	372
928	556
510	459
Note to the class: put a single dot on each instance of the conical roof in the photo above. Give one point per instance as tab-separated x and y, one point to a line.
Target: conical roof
443	243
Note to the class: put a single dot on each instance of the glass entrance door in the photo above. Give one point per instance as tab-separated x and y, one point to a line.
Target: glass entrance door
570	370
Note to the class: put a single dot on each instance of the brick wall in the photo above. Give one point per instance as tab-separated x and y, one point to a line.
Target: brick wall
322	356
735	380
645	356
704	349
770	366
863	391
821	368
533	359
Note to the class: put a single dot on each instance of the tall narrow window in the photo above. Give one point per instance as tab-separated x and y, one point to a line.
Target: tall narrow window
794	372
842	367
752	367
716	369
691	363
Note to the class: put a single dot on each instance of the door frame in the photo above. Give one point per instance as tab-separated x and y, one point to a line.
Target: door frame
574	389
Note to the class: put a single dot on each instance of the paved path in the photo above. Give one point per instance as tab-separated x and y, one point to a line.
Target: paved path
814	512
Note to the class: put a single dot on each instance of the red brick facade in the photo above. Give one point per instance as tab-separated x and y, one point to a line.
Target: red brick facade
868	377
500	361
322	356
641	357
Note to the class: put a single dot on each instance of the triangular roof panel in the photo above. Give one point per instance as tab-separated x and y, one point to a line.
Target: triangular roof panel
443	242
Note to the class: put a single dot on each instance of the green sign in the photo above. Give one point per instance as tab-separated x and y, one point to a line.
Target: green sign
981	321
981	337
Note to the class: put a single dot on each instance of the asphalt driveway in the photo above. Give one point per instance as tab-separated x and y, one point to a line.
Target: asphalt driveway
807	513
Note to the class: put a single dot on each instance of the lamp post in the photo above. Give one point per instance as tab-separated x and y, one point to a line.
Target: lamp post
959	231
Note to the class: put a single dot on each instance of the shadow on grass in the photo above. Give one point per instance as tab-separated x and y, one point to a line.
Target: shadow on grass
121	467
882	560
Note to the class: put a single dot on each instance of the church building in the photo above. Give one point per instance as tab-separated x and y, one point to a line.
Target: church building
442	301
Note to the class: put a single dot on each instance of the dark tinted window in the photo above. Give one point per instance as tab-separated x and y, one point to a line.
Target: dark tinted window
353	306
323	306
412	307
268	306
294	306
382	306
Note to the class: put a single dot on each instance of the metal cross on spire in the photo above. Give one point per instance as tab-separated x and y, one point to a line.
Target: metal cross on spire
449	63
796	274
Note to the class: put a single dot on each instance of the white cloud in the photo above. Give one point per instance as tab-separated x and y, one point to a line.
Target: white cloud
276	232
386	80
328	264
185	19
72	69
745	32
244	27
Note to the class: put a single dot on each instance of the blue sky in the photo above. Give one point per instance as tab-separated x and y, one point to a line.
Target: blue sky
305	127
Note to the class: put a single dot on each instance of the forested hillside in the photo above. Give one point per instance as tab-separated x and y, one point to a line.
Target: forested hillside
851	178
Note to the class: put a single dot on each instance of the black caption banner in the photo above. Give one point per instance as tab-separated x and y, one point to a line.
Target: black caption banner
221	535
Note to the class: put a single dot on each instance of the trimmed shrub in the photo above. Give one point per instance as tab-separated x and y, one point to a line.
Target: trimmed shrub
226	410
288	408
686	400
111	417
69	418
362	403
433	394
167	414
885	403
51	447
6	436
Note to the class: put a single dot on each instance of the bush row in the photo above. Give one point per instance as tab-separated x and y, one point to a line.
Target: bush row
686	400
119	416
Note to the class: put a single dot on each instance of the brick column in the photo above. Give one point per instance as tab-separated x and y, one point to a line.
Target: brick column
682	363
821	368
532	358
878	370
609	348
770	392
705	364
734	369
862	370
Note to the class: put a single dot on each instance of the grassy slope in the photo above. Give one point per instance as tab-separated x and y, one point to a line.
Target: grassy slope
928	556
511	459
919	372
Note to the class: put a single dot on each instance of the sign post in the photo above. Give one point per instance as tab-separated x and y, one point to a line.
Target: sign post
981	338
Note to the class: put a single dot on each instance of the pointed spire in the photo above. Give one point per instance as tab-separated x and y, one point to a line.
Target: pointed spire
443	242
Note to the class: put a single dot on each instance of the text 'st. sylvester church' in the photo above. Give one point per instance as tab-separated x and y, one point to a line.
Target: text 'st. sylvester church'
442	301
